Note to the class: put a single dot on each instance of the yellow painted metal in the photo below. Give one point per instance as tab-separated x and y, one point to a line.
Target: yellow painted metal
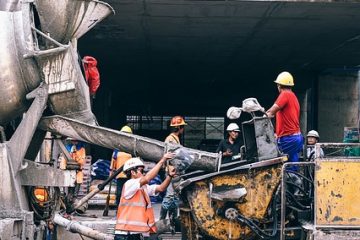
260	185
337	189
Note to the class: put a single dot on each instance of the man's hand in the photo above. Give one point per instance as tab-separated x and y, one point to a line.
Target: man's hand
171	171
167	156
228	153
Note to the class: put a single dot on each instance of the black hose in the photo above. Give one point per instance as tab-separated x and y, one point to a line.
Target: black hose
256	229
299	174
288	193
42	210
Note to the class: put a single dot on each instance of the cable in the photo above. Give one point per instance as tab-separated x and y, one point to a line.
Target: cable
43	210
256	229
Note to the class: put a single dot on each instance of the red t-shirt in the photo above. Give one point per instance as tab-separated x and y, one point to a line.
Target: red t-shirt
287	118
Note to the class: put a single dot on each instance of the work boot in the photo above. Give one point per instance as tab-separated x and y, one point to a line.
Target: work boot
163	213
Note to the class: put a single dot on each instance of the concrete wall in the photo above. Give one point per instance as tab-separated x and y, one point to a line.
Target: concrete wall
338	103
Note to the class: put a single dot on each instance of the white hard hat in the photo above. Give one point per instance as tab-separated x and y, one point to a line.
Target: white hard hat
233	127
233	113
313	133
132	163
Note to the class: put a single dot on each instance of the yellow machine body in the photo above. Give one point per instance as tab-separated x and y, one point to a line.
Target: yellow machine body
200	216
337	192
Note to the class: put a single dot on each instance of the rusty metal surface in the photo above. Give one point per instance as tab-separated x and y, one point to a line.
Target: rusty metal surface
260	184
335	235
337	188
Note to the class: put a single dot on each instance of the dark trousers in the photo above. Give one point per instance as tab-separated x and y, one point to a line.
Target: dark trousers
129	237
119	185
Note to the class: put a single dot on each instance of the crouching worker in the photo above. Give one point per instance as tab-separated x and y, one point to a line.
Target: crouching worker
135	215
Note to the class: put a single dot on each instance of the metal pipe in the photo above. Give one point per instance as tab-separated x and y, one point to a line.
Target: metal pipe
99	188
74	226
44	52
48	38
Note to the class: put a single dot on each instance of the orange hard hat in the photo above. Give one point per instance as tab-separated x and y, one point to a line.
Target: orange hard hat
177	121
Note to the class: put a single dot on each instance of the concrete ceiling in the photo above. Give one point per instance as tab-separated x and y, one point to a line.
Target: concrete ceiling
196	57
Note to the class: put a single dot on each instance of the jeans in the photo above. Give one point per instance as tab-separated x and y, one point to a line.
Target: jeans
292	146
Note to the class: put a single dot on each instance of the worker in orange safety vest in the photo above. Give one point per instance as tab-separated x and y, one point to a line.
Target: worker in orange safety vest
77	152
135	215
118	159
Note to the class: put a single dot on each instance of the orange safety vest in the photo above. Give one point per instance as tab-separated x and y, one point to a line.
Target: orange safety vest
118	161
172	138
79	157
136	214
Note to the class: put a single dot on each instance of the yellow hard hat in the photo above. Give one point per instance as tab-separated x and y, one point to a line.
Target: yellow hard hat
177	121
285	79
126	129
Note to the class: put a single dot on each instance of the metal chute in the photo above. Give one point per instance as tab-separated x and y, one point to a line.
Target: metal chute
147	148
73	18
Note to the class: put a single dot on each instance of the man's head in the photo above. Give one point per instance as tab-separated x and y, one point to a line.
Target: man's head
284	81
312	137
177	124
134	168
233	130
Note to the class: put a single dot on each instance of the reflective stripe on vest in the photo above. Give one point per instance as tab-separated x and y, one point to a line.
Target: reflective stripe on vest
136	214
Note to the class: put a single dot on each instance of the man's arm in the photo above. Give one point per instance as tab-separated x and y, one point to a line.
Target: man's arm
163	186
153	172
273	110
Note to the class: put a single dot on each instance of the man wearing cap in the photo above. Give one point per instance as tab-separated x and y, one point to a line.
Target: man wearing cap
230	146
135	215
287	111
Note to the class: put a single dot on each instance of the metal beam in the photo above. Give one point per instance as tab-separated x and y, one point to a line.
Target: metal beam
36	174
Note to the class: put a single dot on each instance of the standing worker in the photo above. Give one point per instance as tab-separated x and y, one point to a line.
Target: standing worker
287	111
118	159
77	152
170	201
177	125
135	215
230	147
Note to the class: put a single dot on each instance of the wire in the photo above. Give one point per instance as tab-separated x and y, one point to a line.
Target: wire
256	229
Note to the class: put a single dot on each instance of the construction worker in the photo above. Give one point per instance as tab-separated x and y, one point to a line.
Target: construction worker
230	147
287	111
117	161
177	125
77	152
312	137
135	215
170	201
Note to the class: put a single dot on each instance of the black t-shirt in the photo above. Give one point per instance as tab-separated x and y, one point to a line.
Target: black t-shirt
225	145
